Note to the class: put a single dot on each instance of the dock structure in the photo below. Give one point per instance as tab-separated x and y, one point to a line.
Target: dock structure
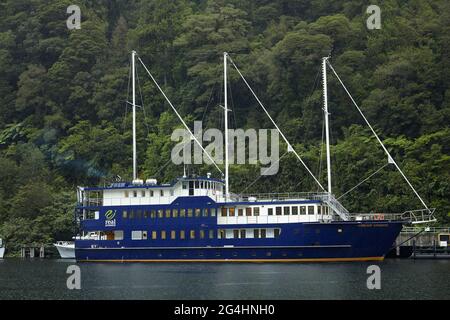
35	251
421	243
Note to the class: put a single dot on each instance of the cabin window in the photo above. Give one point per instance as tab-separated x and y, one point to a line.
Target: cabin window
189	213
167	213
236	234
163	235
319	209
231	211
240	212
127	194
124	214
139	214
143	193
221	234
286	210
192	234
295	210
255	233
144	235
154	235
196	185
278	211
213	212
270	211
243	234
153	213
182	213
118	234
160	213
310	209
173	235
248	212
145	214
302	210
256	211
224	212
135	194
211	234
161	193
175	213
184	185
136	235
197	212
202	234
131	214
263	233
276	233
182	234
171	193
151	193
205	212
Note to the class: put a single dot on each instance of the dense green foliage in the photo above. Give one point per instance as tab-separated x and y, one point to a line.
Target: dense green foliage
64	120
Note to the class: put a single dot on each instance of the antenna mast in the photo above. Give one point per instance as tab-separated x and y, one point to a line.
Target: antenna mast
326	113
133	54
225	55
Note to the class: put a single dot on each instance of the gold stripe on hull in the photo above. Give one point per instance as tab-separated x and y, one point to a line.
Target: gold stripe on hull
244	260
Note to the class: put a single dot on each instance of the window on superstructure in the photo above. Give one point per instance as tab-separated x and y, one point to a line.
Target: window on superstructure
171	192
319	209
182	213
221	234
173	235
255	233
184	185
143	193
167	213
278	211
286	210
131	214
256	211
182	235
231	211
192	234
197	212
161	192
295	210
310	209
163	234
175	213
127	194
124	214
154	235
196	185
276	233
190	213
248	212
135	193
211	234
205	212
302	210
243	233
202	234
236	234
153	213
224	212
240	212
160	213
151	193
263	233
270	211
213	212
139	214
145	214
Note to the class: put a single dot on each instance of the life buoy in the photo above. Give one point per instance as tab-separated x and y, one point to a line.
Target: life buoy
378	216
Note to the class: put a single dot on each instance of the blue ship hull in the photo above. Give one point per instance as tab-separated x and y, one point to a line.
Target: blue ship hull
307	242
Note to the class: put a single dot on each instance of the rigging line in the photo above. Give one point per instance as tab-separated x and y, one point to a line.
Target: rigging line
273	122
209	100
321	150
232	105
142	104
378	138
379	169
128	95
179	117
261	175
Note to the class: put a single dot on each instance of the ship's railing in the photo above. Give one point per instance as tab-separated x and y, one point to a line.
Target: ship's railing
417	229
411	216
282	196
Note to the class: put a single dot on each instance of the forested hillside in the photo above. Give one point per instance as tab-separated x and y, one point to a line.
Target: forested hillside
64	120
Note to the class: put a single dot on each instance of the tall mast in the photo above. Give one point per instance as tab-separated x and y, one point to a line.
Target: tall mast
226	123
133	68
327	130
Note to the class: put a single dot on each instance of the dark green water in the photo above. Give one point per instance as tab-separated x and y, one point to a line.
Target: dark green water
400	279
